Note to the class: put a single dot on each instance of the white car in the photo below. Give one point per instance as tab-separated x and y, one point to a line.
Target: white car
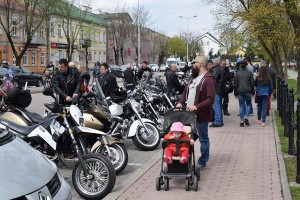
162	68
154	67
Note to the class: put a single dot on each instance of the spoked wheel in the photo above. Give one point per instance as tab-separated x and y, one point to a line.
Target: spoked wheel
187	184
166	183
146	140
100	179
118	156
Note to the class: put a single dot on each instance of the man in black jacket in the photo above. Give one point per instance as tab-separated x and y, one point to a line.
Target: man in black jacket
218	72
144	69
172	80
66	82
129	78
107	81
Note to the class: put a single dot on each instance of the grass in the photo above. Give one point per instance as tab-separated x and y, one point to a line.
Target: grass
290	161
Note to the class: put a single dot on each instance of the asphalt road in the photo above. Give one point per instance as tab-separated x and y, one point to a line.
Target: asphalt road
138	161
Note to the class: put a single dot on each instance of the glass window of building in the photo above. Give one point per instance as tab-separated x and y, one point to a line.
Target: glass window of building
33	58
59	30
14	27
52	33
43	58
25	58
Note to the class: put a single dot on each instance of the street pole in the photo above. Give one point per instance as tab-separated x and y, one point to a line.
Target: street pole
139	35
187	40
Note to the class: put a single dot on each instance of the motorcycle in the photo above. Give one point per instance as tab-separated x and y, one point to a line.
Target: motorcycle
60	136
126	120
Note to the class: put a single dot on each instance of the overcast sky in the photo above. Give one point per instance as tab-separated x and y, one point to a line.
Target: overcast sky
165	14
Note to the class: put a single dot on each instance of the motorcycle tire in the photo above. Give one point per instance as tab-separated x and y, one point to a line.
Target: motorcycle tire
144	141
102	172
119	157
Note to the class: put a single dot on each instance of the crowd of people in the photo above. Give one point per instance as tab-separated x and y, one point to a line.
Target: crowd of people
206	93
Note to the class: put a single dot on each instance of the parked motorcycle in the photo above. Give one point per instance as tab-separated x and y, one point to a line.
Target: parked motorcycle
127	121
61	136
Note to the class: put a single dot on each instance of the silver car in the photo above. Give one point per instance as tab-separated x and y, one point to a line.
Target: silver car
27	174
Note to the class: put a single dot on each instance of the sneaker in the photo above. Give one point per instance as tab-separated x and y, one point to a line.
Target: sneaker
263	124
202	166
226	113
168	160
241	124
215	125
183	160
251	114
246	121
258	121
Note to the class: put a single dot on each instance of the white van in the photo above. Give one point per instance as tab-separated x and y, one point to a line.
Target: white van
171	61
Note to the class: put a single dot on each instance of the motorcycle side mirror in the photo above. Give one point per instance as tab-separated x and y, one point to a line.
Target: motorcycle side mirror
48	92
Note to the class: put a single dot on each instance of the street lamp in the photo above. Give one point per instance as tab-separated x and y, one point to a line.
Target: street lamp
187	30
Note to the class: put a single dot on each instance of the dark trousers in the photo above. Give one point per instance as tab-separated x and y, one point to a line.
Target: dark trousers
225	101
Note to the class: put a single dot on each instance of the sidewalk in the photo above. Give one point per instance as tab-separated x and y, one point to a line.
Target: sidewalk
244	164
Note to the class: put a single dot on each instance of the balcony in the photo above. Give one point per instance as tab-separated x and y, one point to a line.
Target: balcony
35	40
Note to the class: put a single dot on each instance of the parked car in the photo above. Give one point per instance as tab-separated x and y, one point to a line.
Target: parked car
154	67
27	174
21	75
162	68
115	70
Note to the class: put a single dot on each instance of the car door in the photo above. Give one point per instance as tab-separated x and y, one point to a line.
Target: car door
29	77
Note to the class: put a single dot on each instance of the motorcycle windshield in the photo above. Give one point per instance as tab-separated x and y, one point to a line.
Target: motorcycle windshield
99	93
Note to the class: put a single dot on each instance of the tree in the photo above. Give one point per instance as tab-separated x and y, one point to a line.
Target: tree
29	20
72	21
176	46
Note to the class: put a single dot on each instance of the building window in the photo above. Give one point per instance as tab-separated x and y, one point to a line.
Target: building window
24	34
52	33
104	37
41	32
14	27
95	57
59	30
25	58
33	58
43	58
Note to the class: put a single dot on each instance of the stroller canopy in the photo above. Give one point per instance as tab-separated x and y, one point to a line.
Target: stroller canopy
183	116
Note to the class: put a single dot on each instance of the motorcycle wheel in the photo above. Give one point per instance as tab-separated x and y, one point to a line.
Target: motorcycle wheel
100	181
119	156
145	141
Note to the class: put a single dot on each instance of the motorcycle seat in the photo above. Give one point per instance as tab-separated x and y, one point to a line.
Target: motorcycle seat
34	117
22	130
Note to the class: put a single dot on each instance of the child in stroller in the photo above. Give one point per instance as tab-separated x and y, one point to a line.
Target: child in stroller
179	153
177	132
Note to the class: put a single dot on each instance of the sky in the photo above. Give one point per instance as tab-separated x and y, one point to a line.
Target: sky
165	14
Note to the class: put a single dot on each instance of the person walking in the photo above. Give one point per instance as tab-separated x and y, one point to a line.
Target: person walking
264	88
66	82
272	74
107	81
173	84
218	72
228	88
129	78
250	68
199	96
243	91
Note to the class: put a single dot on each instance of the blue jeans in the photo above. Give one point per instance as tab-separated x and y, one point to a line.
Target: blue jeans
202	131
262	103
217	106
244	102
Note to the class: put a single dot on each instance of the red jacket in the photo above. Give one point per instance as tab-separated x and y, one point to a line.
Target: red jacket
183	145
204	99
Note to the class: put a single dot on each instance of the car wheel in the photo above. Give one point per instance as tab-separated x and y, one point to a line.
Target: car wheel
39	83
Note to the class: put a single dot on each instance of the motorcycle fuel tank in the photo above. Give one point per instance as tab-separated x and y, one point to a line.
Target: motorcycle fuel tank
14	118
92	122
116	110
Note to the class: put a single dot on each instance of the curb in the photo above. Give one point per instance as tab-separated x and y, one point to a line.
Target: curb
283	178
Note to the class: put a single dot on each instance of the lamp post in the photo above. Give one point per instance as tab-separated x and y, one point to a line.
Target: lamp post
187	30
139	35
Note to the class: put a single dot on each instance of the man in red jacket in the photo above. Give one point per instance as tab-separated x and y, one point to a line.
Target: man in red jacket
199	96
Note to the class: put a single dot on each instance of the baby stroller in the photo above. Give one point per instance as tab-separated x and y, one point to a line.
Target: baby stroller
189	170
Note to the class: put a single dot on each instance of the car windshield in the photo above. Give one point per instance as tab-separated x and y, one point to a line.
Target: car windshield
171	62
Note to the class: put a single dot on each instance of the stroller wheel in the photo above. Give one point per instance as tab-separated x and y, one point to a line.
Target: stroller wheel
187	184
195	185
166	183
158	183
197	172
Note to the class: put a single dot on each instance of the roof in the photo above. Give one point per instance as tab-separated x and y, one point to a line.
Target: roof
211	37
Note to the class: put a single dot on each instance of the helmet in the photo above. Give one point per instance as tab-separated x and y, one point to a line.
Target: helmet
118	95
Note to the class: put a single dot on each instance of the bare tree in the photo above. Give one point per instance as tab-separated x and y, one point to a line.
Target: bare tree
24	15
